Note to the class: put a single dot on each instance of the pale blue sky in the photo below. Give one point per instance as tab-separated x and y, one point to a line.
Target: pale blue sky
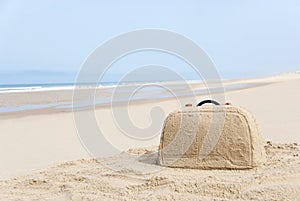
244	38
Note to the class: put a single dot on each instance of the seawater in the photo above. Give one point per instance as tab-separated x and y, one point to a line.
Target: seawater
148	91
38	87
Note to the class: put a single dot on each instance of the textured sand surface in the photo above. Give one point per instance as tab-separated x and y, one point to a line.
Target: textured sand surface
277	179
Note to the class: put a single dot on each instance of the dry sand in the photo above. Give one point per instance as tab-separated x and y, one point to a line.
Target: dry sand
29	143
277	179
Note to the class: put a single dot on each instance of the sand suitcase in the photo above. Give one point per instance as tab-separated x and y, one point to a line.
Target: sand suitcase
185	136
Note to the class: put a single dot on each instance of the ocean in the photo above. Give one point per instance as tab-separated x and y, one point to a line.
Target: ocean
7	88
18	98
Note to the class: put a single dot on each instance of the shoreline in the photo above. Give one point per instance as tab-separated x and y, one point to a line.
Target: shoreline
51	101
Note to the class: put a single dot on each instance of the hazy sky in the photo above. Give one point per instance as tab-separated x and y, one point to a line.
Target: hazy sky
244	38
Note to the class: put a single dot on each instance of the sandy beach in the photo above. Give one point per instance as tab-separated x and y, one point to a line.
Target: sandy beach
42	157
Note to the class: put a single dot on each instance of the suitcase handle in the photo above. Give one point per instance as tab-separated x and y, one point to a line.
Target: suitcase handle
207	101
